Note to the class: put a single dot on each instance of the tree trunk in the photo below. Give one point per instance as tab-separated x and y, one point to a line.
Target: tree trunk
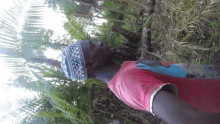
48	61
146	32
131	36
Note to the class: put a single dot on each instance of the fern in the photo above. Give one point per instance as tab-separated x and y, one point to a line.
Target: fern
149	20
76	115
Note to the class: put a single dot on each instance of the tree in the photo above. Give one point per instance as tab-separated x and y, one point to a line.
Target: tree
17	51
146	31
61	99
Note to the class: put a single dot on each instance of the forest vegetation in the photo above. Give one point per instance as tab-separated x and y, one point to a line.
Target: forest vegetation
168	30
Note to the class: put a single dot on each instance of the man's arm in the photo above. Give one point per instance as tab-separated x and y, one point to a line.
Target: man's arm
175	111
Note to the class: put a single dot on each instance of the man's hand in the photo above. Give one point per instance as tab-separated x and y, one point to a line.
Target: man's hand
208	118
175	111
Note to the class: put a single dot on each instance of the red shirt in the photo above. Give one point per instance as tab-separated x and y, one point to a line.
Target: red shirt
137	88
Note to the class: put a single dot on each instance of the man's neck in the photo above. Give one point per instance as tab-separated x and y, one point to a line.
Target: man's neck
107	73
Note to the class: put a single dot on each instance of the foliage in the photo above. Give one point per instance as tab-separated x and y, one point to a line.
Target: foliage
68	110
188	32
61	99
115	15
149	20
129	16
85	102
70	6
76	29
184	31
108	36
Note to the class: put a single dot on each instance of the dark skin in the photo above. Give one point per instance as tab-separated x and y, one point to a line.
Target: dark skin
169	108
98	60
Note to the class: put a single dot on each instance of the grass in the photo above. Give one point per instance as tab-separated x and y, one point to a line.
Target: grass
190	31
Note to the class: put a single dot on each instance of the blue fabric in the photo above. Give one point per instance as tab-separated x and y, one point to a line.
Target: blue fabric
211	73
196	71
67	68
172	70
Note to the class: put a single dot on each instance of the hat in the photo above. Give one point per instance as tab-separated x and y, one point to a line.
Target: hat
73	62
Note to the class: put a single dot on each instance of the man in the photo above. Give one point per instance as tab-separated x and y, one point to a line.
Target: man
142	89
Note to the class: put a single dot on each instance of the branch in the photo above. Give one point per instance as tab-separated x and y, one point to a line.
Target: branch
131	36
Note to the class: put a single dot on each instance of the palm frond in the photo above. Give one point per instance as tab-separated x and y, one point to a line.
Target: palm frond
69	111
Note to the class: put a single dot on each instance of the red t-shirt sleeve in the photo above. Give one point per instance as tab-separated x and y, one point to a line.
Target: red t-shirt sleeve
135	88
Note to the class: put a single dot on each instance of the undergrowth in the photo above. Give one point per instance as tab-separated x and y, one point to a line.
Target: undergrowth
187	31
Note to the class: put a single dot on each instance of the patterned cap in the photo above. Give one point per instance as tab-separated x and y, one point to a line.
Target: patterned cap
73	62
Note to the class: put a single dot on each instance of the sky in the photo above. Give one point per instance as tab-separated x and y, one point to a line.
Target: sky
53	20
